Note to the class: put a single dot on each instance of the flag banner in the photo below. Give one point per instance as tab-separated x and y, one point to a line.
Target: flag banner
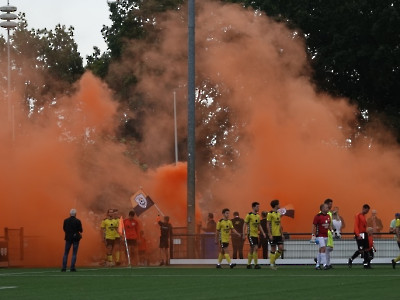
286	212
141	202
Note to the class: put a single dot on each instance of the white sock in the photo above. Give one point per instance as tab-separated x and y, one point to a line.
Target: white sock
323	259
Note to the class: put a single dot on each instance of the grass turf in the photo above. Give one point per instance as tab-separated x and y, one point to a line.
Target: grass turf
206	282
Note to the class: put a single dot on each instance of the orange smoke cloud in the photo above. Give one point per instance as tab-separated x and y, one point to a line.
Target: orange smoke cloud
292	141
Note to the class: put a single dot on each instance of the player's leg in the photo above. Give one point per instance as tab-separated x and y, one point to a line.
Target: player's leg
135	251
117	246
272	253
226	255
255	252
109	248
395	260
365	246
250	255
328	256
279	252
221	254
322	251
356	253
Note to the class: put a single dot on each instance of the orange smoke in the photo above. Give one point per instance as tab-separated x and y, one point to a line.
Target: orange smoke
292	139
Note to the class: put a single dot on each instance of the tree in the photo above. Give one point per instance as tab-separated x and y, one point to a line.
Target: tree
44	62
353	48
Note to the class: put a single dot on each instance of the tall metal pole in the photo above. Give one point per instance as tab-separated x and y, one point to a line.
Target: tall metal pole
175	131
191	226
9	24
8	76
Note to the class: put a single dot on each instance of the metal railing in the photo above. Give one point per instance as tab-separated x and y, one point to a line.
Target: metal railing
297	246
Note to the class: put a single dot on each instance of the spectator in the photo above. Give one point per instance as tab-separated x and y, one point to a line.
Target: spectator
165	235
237	242
73	229
375	222
264	241
211	224
337	223
371	250
392	227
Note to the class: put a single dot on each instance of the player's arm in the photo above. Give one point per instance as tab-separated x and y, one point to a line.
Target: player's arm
269	226
356	228
397	230
217	232
245	227
235	232
313	231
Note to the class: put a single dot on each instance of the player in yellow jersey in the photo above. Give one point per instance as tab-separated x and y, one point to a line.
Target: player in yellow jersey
224	229
275	233
250	228
394	261
112	239
329	244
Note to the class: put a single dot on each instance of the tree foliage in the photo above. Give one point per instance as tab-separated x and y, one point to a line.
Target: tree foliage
44	62
353	48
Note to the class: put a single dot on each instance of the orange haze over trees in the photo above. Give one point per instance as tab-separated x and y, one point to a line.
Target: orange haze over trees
291	143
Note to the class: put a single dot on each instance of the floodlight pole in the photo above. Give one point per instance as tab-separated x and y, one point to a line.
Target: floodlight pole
9	24
175	131
191	226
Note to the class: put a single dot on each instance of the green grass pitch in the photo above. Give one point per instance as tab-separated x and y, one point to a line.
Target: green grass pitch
205	282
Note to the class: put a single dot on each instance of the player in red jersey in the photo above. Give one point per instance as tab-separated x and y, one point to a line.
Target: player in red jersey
321	226
361	235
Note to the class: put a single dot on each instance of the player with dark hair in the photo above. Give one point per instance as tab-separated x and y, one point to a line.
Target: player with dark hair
250	228
132	229
322	224
361	235
223	232
275	233
237	242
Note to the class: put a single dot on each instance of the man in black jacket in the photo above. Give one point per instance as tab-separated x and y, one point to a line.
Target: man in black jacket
73	229
237	242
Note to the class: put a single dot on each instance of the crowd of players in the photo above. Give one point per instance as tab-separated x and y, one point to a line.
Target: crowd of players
271	232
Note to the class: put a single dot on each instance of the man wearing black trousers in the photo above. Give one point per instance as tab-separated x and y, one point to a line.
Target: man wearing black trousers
73	229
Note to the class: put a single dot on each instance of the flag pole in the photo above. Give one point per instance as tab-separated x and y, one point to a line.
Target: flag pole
161	213
127	248
121	225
